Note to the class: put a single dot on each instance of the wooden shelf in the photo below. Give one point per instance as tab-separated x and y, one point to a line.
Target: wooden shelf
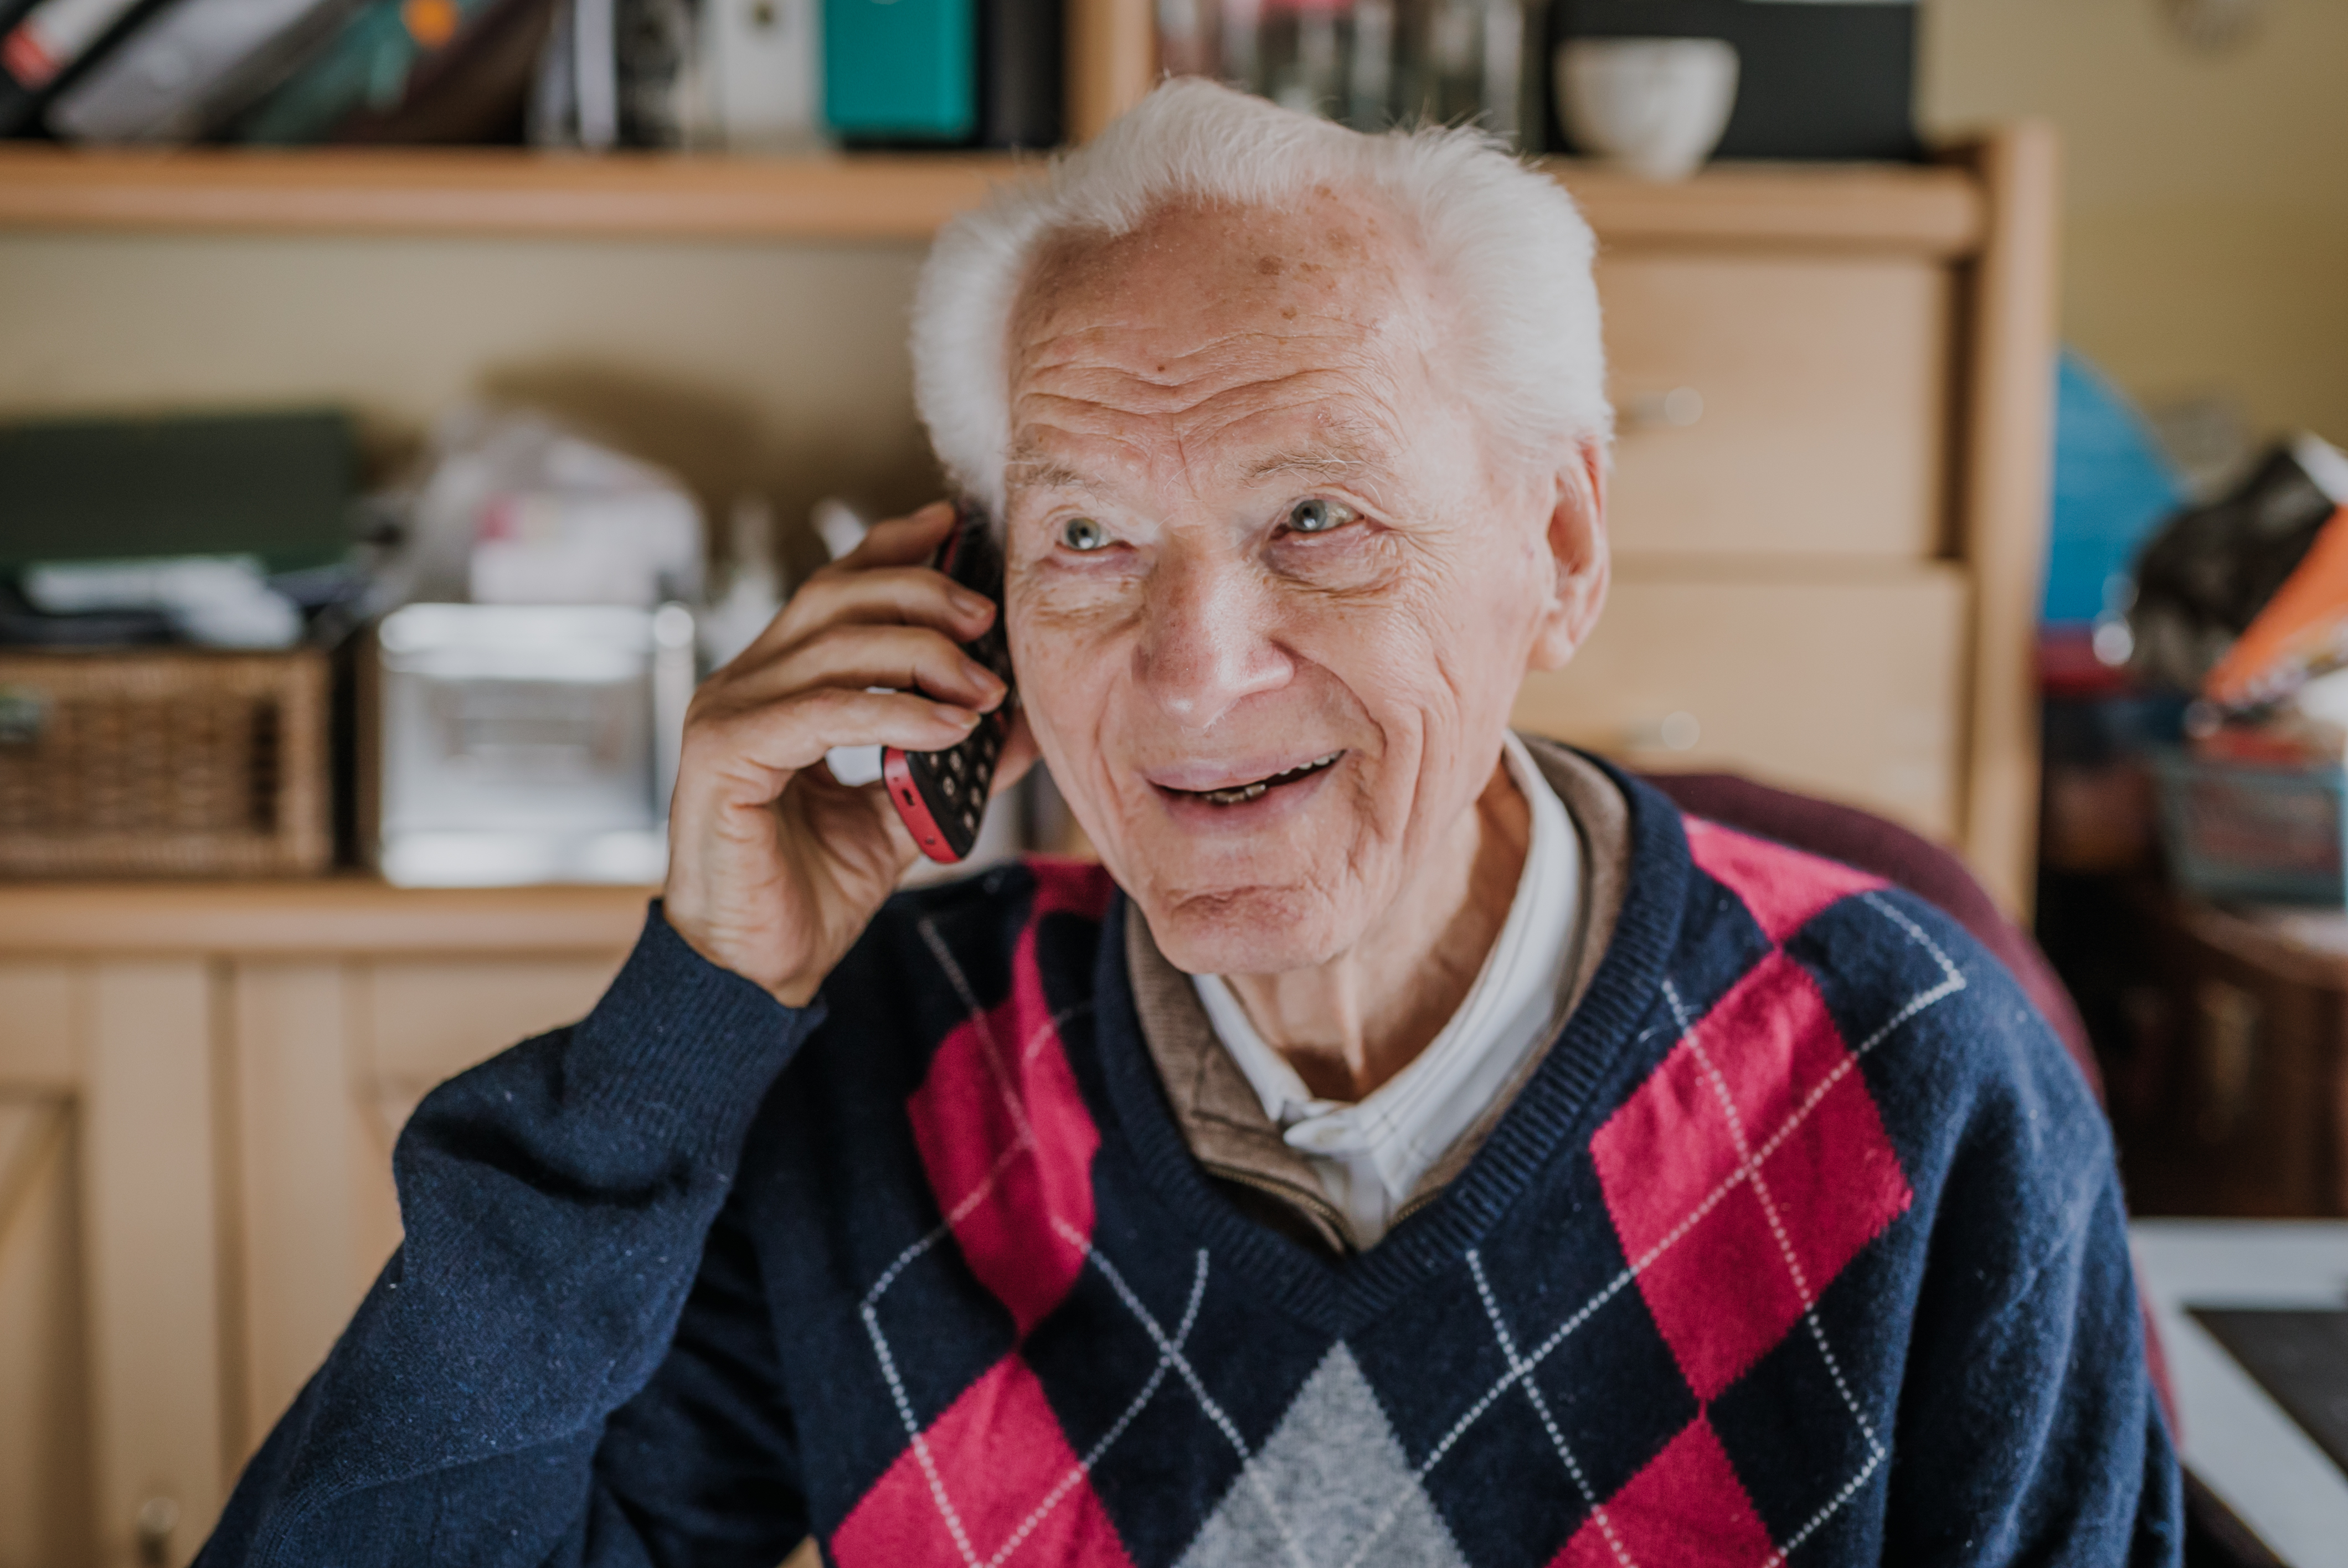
354	916
493	191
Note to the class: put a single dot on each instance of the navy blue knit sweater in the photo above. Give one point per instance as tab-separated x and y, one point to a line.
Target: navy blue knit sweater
1802	1243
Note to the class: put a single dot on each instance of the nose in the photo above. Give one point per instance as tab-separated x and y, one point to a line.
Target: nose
1206	645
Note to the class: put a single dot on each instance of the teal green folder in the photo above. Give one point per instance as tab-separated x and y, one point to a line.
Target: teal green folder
900	70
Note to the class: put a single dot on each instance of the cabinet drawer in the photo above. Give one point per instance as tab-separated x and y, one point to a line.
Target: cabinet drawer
1846	689
1778	405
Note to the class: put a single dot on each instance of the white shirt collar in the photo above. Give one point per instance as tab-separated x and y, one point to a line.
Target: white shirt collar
1370	1155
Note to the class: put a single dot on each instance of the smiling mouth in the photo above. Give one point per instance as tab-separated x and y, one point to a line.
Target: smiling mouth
1238	794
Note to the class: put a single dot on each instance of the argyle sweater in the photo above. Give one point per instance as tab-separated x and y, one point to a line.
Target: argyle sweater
1802	1243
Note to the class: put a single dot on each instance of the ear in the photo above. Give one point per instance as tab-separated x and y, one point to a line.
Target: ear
1577	549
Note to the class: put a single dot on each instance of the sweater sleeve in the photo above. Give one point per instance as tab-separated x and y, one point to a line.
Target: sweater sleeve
565	1297
2028	1430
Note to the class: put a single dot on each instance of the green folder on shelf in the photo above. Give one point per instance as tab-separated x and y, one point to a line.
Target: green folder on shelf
277	486
900	70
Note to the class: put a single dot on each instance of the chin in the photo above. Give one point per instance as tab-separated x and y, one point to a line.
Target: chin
1254	931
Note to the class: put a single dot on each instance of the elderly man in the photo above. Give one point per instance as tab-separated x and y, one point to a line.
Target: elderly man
1408	1147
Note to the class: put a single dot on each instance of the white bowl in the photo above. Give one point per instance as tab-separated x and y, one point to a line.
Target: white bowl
1656	105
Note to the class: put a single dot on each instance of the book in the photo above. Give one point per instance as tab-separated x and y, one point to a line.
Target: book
190	67
764	63
1019	73
366	66
470	92
51	42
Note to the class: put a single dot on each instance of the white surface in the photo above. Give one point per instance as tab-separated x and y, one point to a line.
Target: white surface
2236	1439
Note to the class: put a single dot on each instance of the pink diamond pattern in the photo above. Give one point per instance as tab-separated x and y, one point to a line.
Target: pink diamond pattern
1766	1071
1782	887
1003	1129
992	1479
1685	1509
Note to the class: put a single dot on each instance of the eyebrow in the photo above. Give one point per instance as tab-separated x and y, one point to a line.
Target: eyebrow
1044	473
1331	457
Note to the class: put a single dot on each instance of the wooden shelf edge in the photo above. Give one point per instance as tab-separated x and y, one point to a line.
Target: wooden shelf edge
1926	210
508	193
495	192
353	916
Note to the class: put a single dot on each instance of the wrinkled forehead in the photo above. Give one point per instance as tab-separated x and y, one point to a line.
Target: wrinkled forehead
1334	273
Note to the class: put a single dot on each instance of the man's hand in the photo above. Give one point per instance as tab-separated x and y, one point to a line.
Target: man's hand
775	867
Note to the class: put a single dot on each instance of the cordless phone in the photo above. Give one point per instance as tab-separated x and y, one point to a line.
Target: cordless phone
941	795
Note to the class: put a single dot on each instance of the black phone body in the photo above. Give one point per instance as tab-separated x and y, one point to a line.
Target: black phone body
942	796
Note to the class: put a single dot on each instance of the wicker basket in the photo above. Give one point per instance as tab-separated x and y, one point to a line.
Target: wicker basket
177	763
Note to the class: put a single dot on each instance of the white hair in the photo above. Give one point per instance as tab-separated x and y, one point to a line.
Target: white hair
1505	241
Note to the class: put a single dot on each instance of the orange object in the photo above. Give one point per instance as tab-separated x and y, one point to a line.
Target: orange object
430	23
2302	631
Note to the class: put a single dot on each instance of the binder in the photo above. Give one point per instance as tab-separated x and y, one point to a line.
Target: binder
900	70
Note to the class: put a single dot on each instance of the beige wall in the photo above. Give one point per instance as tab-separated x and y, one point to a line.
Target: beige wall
772	367
2206	205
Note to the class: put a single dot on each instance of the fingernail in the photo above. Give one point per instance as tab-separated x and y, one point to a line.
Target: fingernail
979	675
962	718
971	603
935	511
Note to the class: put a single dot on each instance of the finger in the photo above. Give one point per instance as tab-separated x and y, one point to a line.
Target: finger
899	541
757	749
916	595
902	658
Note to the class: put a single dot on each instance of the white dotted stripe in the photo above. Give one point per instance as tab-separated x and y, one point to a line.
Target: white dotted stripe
1833	1505
1540	1407
1769	1210
920	1443
1850	1401
1050	1030
977	1194
1891	911
990	1050
1083	1467
1215	1411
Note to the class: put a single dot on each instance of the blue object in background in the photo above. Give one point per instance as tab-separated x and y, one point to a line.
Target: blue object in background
2112	486
900	70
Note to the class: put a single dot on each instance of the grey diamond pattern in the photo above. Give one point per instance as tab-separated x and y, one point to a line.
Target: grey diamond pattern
1330	1489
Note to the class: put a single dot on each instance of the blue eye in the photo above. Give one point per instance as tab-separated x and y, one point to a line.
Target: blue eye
1318	517
1083	534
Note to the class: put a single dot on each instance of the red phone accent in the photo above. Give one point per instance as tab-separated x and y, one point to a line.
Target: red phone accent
897	772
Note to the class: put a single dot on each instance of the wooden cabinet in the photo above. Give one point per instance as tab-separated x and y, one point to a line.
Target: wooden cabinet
1697	668
1828	500
199	1089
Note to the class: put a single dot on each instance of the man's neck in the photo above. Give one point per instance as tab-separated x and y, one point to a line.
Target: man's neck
1352	1023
